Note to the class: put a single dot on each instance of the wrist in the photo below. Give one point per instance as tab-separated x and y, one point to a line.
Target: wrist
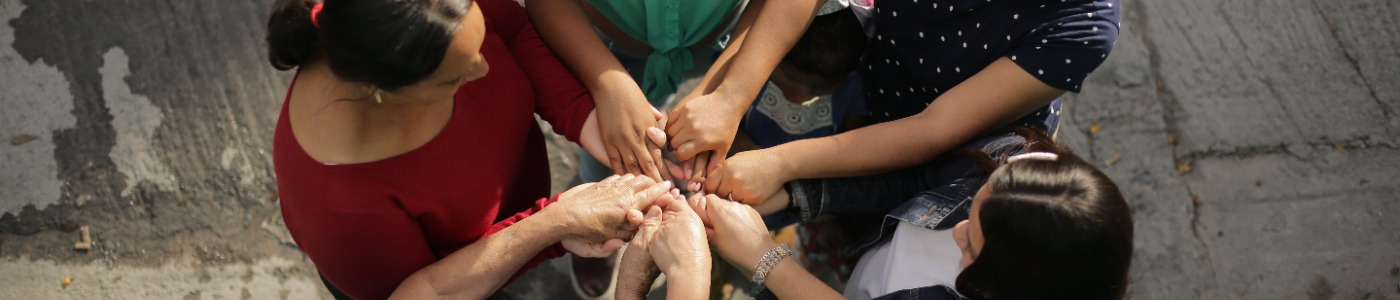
784	169
548	221
616	86
690	285
751	259
562	224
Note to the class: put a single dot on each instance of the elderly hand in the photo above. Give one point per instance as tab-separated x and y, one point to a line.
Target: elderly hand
606	210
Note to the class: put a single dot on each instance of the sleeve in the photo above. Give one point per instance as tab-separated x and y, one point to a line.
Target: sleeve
560	98
1063	51
551	252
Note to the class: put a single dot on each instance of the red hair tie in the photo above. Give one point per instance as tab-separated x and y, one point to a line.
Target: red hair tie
316	11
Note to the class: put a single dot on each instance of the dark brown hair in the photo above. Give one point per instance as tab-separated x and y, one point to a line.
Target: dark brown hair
387	43
828	51
1052	229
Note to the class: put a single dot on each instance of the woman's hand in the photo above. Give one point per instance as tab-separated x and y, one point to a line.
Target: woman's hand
627	121
679	247
609	209
704	123
736	230
750	177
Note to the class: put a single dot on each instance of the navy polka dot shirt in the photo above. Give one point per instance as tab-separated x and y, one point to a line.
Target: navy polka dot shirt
922	48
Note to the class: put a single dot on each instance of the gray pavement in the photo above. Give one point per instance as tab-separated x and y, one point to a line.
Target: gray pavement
1258	142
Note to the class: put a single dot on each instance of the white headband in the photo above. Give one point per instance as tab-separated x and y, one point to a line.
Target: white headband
1046	156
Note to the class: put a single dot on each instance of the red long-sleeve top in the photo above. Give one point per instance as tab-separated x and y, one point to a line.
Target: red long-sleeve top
368	226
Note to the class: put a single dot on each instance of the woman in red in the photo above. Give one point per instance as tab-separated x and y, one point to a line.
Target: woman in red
405	168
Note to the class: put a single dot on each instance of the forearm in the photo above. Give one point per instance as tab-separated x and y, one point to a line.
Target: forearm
788	280
591	138
480	268
688	285
873	149
766	31
992	98
564	25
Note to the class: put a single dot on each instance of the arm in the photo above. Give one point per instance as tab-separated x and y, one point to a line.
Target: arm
707	119
592	212
560	98
738	232
480	268
994	97
624	113
997	95
788	280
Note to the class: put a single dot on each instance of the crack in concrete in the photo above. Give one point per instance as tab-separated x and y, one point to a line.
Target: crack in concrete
1355	63
1171	108
1354	143
1268	84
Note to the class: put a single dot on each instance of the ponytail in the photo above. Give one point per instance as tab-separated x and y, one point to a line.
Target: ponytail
291	37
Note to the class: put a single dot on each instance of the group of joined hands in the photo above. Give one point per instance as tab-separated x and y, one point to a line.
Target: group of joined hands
668	232
690	145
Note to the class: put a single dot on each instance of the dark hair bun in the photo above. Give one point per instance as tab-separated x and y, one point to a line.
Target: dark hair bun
291	38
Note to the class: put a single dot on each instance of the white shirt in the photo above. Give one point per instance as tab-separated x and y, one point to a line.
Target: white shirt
915	257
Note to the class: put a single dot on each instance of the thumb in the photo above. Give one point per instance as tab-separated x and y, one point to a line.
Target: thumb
657	136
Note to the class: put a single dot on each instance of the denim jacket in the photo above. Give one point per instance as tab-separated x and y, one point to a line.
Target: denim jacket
935	195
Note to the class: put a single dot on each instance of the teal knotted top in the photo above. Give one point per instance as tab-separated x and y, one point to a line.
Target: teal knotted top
670	27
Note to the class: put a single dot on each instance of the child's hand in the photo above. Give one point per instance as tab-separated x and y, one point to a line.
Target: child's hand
626	123
750	177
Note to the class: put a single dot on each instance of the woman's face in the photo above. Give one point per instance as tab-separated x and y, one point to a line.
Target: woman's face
462	62
968	233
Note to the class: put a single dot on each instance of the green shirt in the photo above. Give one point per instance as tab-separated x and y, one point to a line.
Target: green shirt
670	27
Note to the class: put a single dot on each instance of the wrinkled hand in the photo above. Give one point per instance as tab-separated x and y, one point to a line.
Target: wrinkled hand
637	271
750	177
736	230
586	248
627	123
704	123
609	209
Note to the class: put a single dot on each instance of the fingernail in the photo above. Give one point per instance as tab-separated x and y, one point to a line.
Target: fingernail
688	172
666	184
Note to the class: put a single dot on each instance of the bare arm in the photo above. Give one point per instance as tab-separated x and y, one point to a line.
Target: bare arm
999	94
707	119
623	111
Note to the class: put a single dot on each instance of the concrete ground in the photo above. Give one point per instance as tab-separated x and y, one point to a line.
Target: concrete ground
1258	142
